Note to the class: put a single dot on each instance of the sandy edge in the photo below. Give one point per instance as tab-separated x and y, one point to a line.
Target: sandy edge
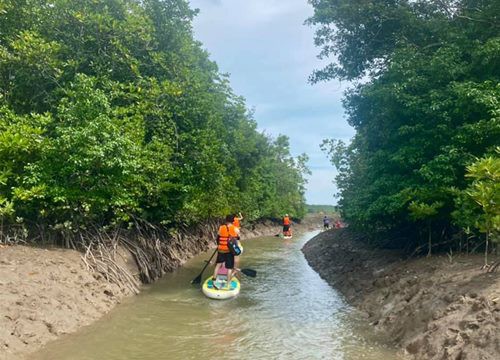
431	308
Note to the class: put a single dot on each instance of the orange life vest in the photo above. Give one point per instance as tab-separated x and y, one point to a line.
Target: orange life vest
236	222
225	232
286	220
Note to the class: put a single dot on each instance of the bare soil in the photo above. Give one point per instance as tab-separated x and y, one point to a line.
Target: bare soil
45	293
442	307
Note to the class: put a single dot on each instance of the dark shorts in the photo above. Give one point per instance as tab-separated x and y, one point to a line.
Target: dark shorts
286	228
326	226
226	258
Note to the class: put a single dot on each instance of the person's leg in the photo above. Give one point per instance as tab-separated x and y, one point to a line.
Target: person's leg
229	277
230	266
216	271
218	264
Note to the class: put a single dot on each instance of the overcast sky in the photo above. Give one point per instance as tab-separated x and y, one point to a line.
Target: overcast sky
269	55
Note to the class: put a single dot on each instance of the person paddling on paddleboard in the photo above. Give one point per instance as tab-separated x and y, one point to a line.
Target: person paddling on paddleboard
286	225
236	221
227	233
326	223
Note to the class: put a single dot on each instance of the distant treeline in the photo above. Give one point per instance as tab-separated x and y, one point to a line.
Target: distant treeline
326	209
112	113
425	160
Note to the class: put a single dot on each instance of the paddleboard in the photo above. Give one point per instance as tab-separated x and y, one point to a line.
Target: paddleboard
221	290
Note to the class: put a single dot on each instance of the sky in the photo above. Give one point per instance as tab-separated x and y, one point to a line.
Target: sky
269	54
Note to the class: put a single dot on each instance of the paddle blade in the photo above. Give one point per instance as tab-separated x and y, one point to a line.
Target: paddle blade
196	280
249	272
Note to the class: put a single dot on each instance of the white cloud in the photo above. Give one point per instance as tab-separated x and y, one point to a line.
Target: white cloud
320	188
248	13
269	53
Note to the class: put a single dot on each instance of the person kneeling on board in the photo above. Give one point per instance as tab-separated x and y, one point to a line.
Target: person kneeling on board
227	233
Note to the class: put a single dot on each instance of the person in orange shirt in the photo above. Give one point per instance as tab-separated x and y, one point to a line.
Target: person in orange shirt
286	225
237	219
224	256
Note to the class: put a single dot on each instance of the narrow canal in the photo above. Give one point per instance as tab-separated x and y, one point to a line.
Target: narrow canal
286	312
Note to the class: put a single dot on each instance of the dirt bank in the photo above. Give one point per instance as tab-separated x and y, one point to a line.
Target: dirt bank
443	307
45	293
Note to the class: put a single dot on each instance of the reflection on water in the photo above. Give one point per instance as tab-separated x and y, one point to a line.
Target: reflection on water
286	312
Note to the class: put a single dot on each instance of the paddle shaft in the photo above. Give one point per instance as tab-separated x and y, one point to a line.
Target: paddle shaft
208	262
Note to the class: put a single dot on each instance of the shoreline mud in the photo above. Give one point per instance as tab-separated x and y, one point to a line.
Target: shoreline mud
442	307
46	293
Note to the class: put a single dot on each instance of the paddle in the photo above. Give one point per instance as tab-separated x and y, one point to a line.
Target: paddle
248	272
197	279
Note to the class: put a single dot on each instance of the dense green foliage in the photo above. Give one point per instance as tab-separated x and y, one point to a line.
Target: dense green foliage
425	104
485	192
110	111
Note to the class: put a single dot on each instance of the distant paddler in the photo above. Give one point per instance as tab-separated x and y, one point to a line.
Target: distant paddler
237	219
286	226
326	223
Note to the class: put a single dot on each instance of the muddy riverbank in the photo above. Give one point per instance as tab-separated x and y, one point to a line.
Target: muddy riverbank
443	307
45	293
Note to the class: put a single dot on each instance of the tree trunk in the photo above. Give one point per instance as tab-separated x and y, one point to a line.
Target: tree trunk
486	249
430	239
